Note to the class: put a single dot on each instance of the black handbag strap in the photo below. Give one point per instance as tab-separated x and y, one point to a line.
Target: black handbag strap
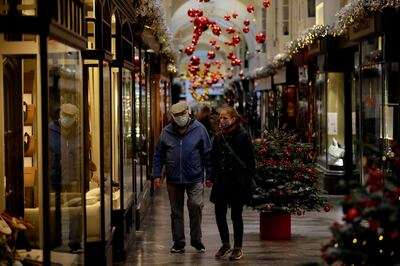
232	152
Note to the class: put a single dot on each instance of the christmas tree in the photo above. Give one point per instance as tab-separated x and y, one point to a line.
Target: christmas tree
287	179
370	232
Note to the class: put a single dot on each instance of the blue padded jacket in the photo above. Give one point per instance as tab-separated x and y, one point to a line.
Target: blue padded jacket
186	157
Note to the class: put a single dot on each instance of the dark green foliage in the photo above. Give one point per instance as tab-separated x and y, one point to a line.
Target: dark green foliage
370	232
287	180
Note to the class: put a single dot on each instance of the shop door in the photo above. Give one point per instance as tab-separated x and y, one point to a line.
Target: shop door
13	137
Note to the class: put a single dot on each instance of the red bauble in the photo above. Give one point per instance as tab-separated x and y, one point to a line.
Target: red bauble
199	12
236	39
299	213
237	62
214	80
207	64
266	3
250	9
230	30
213	42
260	38
352	213
246	29
216	30
195	60
227	17
327	209
235	15
211	55
217	47
262	151
191	12
230	54
189	50
246	22
201	22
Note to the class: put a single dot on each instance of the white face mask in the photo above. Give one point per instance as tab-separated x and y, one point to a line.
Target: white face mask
181	120
66	121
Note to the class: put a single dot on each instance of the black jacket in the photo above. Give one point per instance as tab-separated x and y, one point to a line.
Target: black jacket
232	180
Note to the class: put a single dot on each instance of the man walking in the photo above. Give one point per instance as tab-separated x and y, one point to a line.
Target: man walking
184	147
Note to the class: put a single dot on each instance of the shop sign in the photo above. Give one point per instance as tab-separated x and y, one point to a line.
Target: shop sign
280	76
263	84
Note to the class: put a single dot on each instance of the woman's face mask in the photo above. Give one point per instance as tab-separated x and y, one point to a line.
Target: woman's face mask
181	120
225	120
66	121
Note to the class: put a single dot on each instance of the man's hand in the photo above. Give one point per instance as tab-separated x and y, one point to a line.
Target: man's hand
209	183
157	181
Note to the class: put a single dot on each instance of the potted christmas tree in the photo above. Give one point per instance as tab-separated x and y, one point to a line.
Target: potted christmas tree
287	183
370	232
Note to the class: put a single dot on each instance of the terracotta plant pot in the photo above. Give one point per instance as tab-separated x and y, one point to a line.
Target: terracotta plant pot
275	226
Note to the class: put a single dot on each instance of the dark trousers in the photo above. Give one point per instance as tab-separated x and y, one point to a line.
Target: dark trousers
221	209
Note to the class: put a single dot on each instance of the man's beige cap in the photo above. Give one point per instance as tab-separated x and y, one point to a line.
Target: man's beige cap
69	109
179	107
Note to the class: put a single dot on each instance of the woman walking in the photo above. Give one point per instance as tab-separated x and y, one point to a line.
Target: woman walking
233	167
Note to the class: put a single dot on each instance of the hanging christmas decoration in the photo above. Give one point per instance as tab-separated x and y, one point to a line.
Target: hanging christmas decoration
216	30
266	3
195	60
260	38
235	39
235	15
211	54
192	12
189	50
230	30
227	17
250	9
246	22
246	29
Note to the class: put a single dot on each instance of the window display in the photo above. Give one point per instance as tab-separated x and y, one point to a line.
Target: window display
66	158
127	127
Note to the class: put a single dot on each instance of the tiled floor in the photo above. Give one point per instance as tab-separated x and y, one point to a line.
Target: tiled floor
153	242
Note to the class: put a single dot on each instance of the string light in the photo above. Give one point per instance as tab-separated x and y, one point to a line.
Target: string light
355	241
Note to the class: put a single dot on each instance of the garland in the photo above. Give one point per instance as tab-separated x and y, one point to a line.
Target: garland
151	13
350	15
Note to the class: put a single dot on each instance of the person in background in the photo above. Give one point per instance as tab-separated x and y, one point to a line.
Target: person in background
184	147
204	117
233	166
65	154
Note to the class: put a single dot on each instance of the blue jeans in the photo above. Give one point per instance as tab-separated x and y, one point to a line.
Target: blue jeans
195	203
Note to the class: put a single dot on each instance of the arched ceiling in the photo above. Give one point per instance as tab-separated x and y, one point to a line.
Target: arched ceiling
182	28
